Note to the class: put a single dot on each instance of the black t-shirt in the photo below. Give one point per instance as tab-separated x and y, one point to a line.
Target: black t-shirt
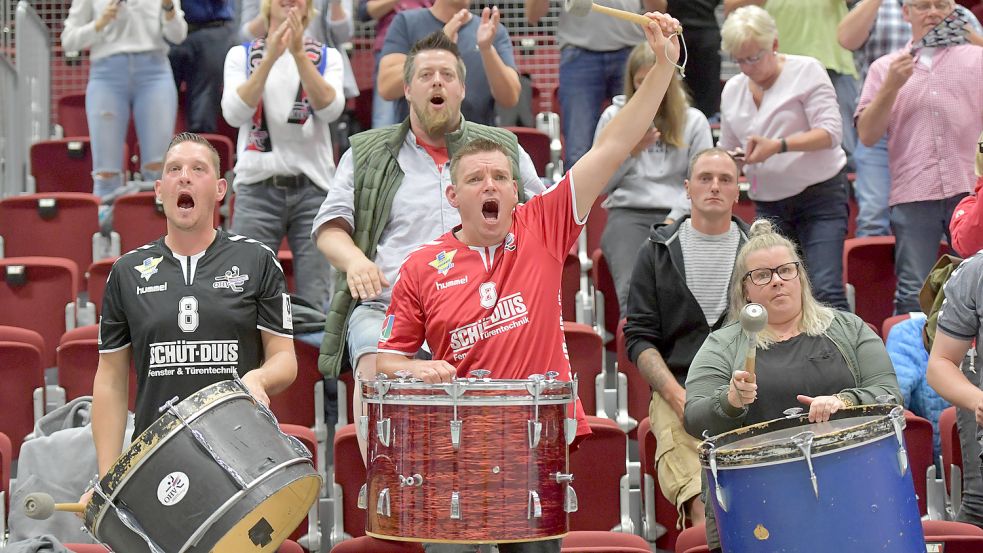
694	14
192	320
807	365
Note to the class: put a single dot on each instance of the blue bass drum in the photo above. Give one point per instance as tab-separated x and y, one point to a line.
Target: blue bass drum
789	485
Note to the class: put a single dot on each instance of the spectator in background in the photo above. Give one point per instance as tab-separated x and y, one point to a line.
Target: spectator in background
966	227
872	29
129	70
781	113
702	78
808	28
929	101
485	48
648	187
383	12
198	60
593	52
332	26
282	92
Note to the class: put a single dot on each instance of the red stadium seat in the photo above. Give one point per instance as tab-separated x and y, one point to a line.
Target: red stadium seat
22	392
690	538
346	391
226	152
536	143
952	451
72	118
599	467
286	259
638	390
569	286
349	476
656	509
139	220
890	322
95	280
368	544
600	274
39	293
587	541
78	358
955	537
72	217
286	547
596	222
584	349
63	165
698	549
918	442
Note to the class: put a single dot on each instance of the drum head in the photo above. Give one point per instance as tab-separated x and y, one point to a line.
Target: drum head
772	441
283	510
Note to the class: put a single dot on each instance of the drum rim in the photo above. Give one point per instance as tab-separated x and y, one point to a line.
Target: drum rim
156	435
377	535
485	401
840	440
560	392
468	383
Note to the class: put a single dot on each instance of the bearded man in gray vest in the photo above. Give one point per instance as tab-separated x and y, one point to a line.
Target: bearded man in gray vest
387	198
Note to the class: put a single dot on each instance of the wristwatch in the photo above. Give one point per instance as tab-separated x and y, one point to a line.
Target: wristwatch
784	147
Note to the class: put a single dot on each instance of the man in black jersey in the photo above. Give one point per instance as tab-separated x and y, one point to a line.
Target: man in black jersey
190	309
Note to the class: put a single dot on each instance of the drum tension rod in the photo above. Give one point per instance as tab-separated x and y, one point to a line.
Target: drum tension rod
570	424
803	441
897	418
383	424
711	453
535	509
535	387
170	406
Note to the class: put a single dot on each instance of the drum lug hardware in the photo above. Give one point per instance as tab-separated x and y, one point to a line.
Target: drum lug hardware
382	429
897	418
562	477
478	374
792	412
363	427
570	504
456	434
455	506
382	505
551	376
415	480
803	441
363	497
712	459
535	432
570	430
535	509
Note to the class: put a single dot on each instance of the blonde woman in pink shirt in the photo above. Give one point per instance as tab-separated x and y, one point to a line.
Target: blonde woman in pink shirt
781	114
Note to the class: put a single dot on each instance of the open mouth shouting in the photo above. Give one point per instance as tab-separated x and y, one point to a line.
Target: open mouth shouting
185	202
489	210
437	100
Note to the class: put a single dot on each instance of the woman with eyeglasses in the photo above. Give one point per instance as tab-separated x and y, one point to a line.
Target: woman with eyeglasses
966	226
808	354
781	115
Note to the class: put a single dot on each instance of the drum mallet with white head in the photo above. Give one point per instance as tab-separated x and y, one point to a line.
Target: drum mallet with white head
581	8
753	319
41	506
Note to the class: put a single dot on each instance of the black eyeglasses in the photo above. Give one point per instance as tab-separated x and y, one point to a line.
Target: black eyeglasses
763	276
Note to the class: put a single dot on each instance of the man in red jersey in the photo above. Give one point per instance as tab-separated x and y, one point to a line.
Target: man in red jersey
487	294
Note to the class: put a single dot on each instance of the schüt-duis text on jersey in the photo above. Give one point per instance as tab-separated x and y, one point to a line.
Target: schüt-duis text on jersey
192	320
494	308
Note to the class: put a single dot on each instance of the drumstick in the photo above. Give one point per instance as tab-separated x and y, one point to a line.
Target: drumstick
581	8
41	506
753	319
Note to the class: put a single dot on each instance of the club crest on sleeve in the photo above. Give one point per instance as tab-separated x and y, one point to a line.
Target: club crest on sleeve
148	268
509	242
444	262
387	327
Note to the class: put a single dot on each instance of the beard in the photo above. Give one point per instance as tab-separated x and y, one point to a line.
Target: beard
437	123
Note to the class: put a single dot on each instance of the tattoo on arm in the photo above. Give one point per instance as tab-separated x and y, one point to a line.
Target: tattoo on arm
654	368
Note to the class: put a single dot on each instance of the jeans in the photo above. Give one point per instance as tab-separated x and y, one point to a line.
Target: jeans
120	83
918	228
847	89
544	546
364	328
971	510
816	219
872	189
383	111
588	79
199	61
267	212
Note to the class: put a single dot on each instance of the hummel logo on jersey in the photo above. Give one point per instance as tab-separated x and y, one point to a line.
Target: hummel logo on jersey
231	279
454	282
148	268
444	262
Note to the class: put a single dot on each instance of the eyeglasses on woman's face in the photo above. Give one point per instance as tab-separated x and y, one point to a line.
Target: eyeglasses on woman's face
751	60
922	7
764	275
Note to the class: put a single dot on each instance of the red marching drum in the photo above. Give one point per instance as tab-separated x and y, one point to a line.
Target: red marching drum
473	461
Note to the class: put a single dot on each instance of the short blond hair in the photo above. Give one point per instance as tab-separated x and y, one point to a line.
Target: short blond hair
266	5
748	24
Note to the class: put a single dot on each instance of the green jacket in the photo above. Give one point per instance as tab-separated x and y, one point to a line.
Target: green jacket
377	177
724	352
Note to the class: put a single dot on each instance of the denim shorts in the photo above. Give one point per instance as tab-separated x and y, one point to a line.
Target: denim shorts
364	328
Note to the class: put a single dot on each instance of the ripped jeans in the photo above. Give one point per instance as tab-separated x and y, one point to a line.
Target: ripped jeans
118	84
